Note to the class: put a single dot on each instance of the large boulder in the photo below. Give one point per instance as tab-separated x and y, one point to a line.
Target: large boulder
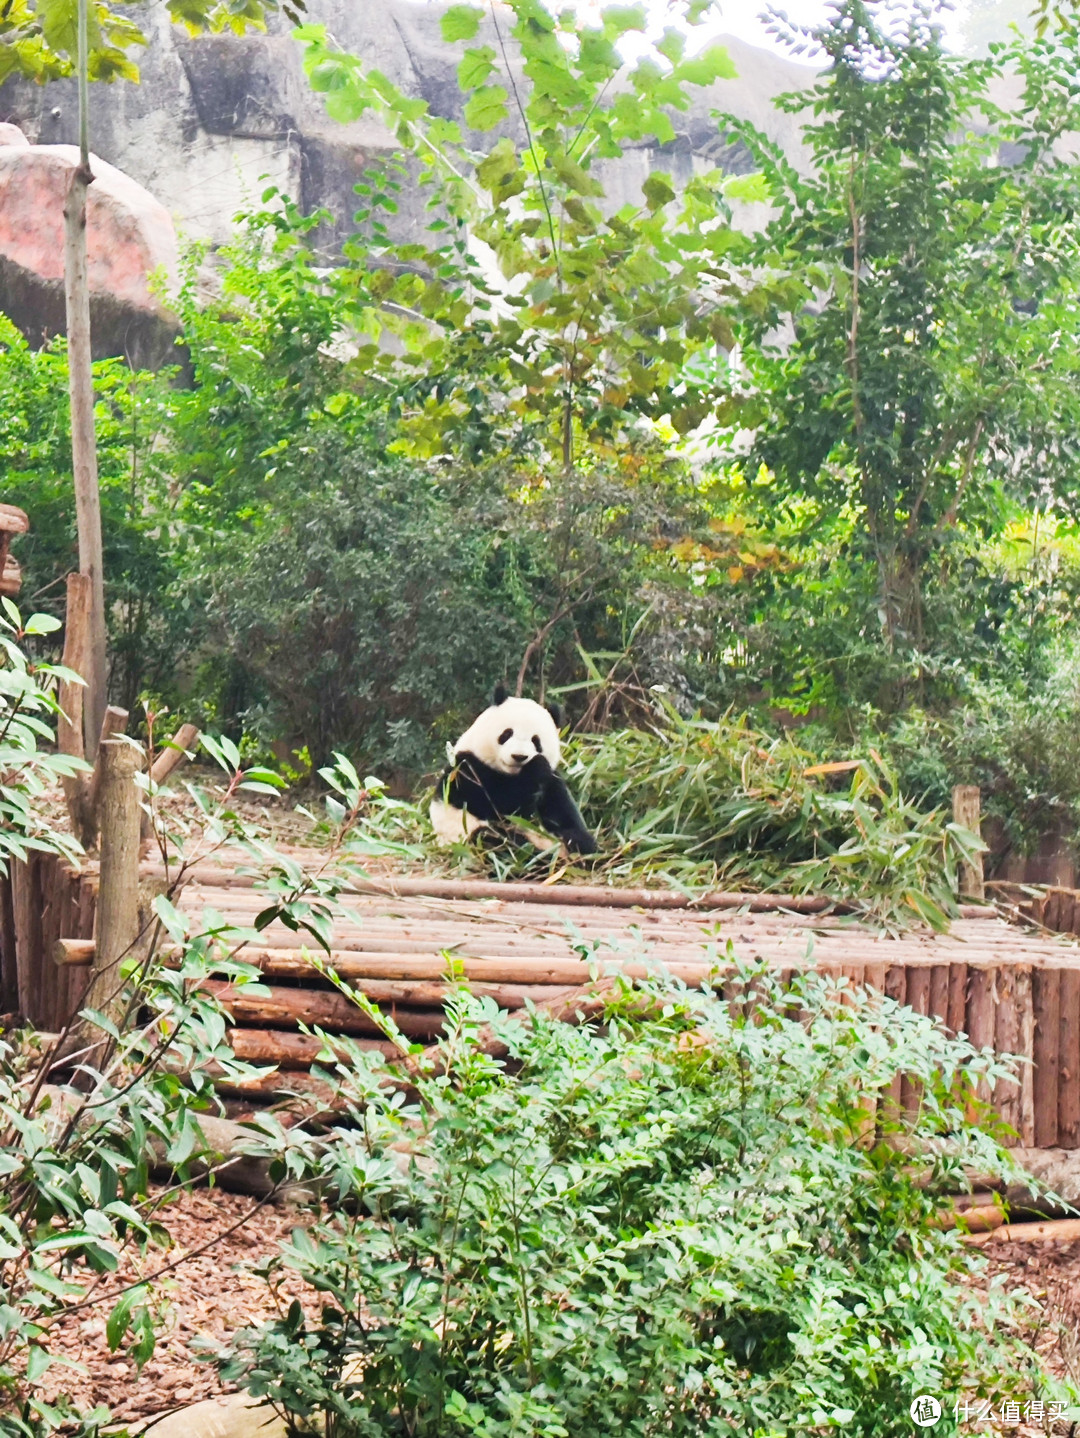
130	241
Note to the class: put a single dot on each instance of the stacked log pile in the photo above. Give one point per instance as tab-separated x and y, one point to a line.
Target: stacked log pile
1013	990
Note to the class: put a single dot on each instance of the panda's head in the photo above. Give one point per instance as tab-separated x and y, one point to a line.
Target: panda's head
511	732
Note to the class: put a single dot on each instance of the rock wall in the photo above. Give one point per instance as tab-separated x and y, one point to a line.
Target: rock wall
217	119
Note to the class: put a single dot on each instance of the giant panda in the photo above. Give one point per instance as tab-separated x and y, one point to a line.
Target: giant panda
503	767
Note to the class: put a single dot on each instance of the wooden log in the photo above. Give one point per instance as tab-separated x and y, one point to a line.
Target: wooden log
917	997
1054	1230
1046	1007
889	1109
1051	914
979	1022
174	753
289	1008
957	1011
113	724
967	806
1006	1041
568	895
28	904
290	1051
1069	1061
74	953
9	949
1026	1049
406	970
10	576
13	520
118	894
939	993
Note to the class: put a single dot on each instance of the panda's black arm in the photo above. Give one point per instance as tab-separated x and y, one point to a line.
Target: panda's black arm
559	814
462	787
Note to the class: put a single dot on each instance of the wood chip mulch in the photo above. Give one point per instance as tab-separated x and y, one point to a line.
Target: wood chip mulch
212	1295
207	1299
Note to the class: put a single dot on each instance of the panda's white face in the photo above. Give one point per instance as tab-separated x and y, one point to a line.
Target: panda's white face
507	735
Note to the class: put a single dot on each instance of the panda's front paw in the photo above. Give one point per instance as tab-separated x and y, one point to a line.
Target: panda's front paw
582	843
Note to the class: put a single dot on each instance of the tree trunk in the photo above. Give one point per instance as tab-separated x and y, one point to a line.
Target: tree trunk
81	387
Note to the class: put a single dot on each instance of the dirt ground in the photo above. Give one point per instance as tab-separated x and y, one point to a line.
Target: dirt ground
212	1295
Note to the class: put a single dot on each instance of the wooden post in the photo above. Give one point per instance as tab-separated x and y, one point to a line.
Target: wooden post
1069	1061
69	725
967	812
118	895
1046	1005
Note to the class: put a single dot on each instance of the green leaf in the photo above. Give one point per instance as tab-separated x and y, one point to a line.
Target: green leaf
712	64
658	191
475	67
486	108
116	1325
460	22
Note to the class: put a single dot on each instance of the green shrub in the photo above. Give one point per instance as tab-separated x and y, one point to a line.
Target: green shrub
146	633
666	1224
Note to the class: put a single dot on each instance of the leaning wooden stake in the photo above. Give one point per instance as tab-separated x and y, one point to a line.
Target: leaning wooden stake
170	758
967	811
118	893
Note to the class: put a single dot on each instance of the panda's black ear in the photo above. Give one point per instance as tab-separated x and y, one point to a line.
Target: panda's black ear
500	694
555	710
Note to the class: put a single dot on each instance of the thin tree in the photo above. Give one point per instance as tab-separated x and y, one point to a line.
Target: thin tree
81	389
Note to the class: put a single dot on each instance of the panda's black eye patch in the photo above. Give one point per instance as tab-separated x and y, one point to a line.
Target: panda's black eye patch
505	735
536	743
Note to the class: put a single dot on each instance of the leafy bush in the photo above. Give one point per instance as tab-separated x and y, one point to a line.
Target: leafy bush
678	1222
718	802
145	632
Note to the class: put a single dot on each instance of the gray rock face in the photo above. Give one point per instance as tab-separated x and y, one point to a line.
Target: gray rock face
215	120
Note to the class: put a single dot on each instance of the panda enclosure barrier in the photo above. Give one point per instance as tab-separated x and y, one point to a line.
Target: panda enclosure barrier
1000	975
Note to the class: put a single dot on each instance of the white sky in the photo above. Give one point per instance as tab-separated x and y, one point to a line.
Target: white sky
741	18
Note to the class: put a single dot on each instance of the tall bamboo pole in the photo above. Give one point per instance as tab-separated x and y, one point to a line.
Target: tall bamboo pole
81	388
